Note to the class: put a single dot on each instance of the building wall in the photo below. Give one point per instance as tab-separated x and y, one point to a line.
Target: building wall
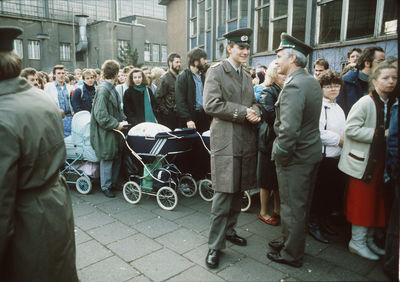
100	40
176	28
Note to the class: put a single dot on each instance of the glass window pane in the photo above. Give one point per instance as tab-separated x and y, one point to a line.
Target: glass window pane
279	27
208	26
262	29
280	8
193	42
193	10
208	45
18	47
232	9
208	3
156	53
331	14
221	17
390	21
202	8
261	2
299	19
232	25
164	54
361	19
243	13
147	52
193	27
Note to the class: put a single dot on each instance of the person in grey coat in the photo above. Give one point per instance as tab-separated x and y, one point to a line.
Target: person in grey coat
106	116
296	149
229	99
37	239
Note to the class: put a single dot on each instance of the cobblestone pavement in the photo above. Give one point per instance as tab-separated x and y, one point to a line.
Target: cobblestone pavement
117	241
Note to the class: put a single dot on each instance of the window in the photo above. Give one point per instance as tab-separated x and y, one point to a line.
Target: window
244	14
147	52
122	48
280	20
221	18
390	21
361	18
164	53
156	53
330	21
65	52
279	27
18	47
299	19
202	22
232	9
262	26
34	49
280	8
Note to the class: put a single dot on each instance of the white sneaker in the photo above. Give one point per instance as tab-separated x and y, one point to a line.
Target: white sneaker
362	251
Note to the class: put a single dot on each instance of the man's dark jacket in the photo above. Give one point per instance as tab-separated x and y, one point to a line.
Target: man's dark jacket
351	91
185	95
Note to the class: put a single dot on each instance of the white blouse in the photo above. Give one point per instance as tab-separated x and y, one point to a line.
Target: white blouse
331	127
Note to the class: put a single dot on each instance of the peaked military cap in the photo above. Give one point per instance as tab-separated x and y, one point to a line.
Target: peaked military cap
288	41
239	36
7	35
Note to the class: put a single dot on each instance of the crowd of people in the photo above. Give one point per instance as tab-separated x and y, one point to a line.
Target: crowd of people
320	145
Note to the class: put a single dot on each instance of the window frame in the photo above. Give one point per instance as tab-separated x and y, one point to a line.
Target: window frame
20	46
62	53
32	51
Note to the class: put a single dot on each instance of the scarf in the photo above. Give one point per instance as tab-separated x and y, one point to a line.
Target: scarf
148	110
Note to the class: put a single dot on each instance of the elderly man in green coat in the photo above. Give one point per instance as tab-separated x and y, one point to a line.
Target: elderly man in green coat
297	148
106	116
37	240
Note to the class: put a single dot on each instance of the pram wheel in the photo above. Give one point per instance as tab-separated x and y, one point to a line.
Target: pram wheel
167	198
246	201
205	190
187	186
83	185
132	192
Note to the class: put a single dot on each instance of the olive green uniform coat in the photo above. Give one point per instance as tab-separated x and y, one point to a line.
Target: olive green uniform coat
233	139
36	222
297	153
106	115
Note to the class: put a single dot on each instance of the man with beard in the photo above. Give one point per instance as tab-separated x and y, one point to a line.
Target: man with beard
31	75
166	112
189	92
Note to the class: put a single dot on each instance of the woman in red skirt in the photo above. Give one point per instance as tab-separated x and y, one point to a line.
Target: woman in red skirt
363	160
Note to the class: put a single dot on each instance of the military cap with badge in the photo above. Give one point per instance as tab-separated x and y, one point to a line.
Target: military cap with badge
288	41
240	36
7	35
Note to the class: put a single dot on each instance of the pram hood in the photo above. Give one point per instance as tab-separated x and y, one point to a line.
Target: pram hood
80	134
147	129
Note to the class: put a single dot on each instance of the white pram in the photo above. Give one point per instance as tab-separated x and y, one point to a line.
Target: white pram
81	159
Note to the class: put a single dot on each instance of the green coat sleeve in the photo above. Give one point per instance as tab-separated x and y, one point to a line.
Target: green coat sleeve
216	105
101	112
9	155
291	103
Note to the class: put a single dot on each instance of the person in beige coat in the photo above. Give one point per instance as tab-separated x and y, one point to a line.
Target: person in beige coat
229	99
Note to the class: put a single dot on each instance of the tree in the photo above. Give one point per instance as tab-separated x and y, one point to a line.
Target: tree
128	57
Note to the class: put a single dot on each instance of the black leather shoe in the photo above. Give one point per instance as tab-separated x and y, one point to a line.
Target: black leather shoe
315	232
276	257
327	228
276	245
212	258
237	240
108	193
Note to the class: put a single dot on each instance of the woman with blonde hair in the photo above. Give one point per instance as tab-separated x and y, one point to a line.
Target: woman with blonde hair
266	174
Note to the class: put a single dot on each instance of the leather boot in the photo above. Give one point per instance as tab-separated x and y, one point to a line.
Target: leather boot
358	243
371	244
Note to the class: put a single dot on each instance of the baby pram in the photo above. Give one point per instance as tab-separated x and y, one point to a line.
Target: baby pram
205	185
151	145
81	164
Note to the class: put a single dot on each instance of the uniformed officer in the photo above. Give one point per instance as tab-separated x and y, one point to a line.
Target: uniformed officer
229	99
37	239
297	147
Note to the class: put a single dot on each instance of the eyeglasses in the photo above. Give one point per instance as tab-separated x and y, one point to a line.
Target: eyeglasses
329	87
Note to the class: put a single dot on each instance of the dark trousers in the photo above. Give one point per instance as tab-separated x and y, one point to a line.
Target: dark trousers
329	190
170	120
296	183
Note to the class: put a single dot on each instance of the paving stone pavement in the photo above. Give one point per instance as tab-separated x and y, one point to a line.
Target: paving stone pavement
117	241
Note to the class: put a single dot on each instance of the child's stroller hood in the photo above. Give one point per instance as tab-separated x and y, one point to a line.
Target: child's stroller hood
80	135
147	129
